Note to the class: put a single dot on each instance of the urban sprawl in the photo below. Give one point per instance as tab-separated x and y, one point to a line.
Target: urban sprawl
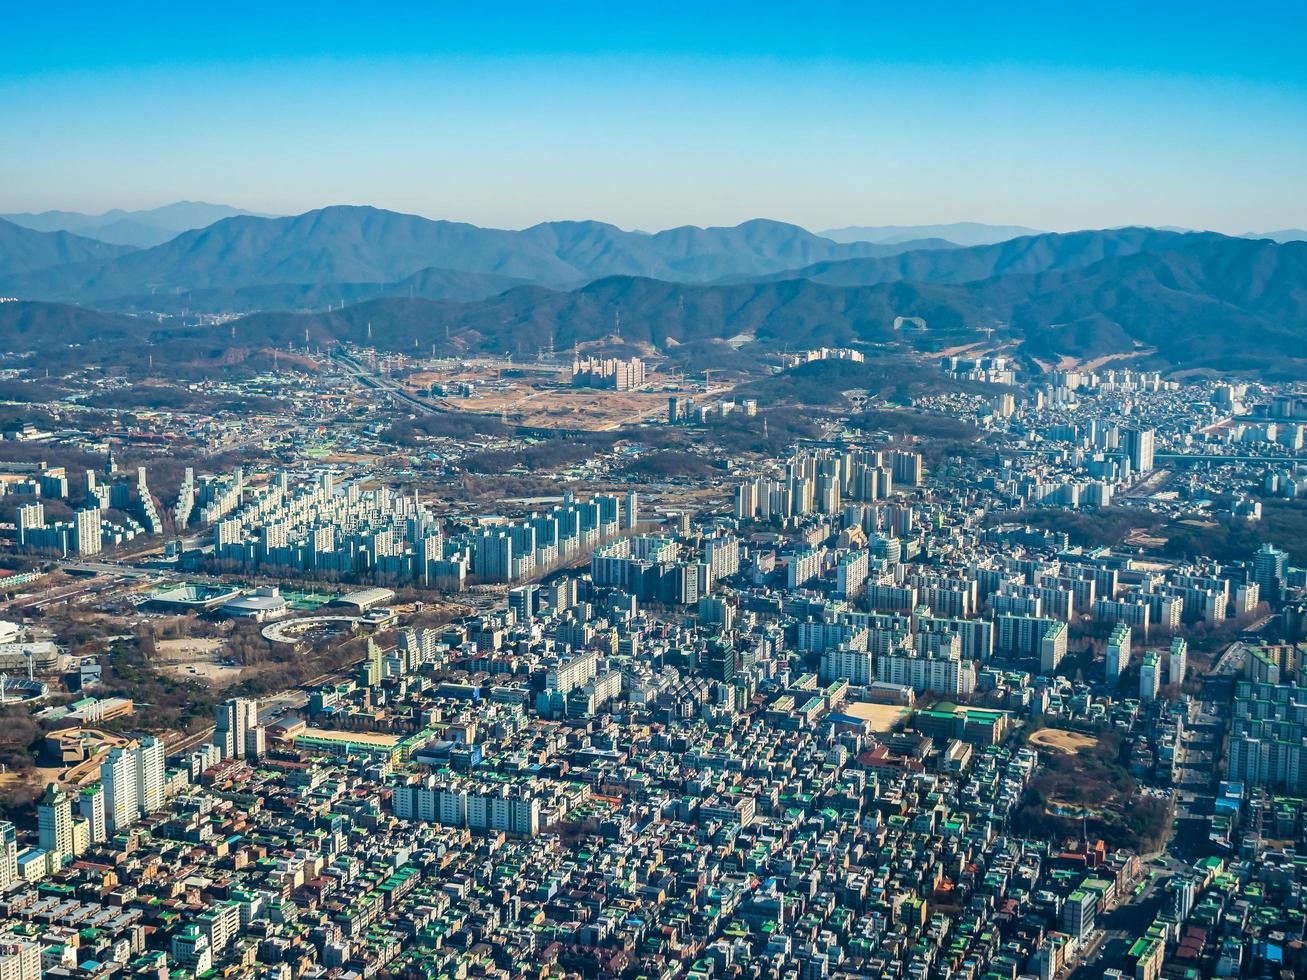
306	700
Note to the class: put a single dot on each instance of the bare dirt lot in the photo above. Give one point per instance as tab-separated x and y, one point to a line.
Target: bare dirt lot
881	716
1140	538
1066	743
542	395
196	657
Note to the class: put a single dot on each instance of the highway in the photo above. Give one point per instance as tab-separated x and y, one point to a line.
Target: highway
1149	484
117	568
1202	458
370	380
1169	458
1197	771
69	593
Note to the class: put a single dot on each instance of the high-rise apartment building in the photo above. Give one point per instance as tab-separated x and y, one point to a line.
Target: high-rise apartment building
1270	566
8	854
54	821
1150	677
29	517
86	529
235	719
1118	653
151	788
90	805
118	775
20	957
1179	660
1139	447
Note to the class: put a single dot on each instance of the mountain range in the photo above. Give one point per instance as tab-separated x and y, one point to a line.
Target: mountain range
1170	299
140	229
1281	236
368	245
1035	253
1216	303
23	250
962	233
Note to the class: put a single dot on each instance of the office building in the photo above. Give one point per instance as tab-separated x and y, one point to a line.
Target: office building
523	600
1079	913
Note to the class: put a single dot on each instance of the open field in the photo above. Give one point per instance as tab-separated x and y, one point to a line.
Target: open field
1068	363
10	780
881	716
1067	743
1140	538
575	408
196	657
542	395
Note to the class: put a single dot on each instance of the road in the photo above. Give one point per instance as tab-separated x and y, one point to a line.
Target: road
387	385
104	575
1150	484
661	408
1232	660
272	709
1118	927
188	742
108	568
65	594
1196	776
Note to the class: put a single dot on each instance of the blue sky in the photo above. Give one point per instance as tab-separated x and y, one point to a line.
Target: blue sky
1051	115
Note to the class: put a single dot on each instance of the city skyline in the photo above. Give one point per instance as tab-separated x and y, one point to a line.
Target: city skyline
846	117
721	492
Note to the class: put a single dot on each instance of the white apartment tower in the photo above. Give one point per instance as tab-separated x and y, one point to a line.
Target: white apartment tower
151	782
86	525
90	805
118	775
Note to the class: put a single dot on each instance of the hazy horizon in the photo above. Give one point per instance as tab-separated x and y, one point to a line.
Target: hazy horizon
652	118
643	230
